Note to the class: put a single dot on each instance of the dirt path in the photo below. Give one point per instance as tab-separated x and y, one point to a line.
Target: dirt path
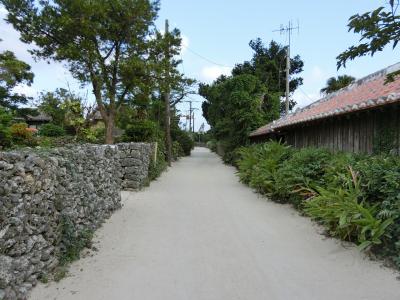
198	234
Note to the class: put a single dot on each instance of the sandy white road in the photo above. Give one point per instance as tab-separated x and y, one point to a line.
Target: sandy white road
198	234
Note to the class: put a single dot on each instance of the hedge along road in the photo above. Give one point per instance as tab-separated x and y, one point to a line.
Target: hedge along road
199	234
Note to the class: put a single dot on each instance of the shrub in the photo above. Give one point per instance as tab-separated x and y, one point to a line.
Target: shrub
177	150
21	135
5	137
258	165
51	130
212	145
362	206
346	215
156	168
45	142
184	139
141	131
380	182
303	171
73	240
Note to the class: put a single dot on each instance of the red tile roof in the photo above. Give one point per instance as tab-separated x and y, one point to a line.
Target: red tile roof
366	93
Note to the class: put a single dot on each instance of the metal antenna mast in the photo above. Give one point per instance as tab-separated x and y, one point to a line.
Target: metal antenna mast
287	30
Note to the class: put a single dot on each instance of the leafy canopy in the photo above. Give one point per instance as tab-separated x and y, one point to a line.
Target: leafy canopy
13	72
268	64
233	108
378	28
104	43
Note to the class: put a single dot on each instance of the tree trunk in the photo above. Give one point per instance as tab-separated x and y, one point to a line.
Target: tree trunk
109	130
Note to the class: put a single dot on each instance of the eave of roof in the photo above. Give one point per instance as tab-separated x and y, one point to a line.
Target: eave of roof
40	117
366	93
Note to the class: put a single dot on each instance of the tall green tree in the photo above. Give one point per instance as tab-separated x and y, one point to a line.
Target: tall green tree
334	84
104	43
233	109
268	64
13	72
171	84
378	29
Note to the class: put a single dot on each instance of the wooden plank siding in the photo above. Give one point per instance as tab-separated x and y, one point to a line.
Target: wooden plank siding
355	132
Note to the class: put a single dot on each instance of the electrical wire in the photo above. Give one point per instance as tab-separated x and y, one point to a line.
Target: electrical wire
309	98
207	59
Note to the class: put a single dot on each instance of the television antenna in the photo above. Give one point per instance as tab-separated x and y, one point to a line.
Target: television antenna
288	29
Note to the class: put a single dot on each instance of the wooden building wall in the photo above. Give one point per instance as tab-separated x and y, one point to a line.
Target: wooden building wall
356	132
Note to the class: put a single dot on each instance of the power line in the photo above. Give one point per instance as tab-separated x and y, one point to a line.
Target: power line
305	94
207	59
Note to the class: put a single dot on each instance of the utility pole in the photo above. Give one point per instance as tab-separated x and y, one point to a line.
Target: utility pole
287	77
193	122
287	30
190	116
193	118
166	99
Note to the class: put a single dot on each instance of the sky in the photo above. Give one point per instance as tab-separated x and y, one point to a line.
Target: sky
216	36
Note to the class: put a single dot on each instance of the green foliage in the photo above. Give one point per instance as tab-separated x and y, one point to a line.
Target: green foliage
91	135
51	130
334	84
380	182
184	140
65	108
104	44
212	145
5	134
45	142
5	137
73	240
234	109
378	28
304	170
251	97
177	150
258	164
362	205
156	168
384	141
141	131
13	72
268	65
346	215
5	117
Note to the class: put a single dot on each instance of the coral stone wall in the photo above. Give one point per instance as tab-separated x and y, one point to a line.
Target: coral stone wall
48	198
135	161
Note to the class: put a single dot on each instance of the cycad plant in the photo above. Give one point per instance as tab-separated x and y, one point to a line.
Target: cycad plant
346	215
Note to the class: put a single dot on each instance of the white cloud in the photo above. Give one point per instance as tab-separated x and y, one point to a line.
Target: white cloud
3	11
185	43
303	98
26	90
211	73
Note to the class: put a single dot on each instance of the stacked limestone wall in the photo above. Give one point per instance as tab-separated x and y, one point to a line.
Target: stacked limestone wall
135	160
49	197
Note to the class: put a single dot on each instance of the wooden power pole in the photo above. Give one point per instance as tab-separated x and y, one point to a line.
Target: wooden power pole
168	139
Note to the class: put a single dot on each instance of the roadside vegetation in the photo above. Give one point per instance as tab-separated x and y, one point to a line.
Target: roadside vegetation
251	97
128	63
355	197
